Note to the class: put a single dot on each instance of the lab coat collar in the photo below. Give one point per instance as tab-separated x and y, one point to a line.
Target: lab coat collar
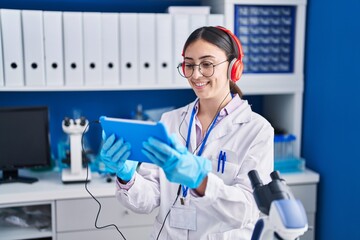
241	115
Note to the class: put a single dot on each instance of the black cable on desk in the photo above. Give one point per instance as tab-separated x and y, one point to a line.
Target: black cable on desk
86	187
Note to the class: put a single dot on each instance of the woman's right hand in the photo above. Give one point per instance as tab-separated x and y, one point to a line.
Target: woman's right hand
114	153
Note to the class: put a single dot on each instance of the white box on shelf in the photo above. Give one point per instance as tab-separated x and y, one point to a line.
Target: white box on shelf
73	48
215	20
110	49
129	39
164	46
181	31
197	21
2	82
147	48
53	44
12	47
189	10
33	40
92	48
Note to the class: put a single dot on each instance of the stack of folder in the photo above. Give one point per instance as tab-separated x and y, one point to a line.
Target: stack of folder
67	50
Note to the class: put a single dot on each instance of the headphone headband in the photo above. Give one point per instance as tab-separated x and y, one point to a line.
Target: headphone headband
236	65
235	39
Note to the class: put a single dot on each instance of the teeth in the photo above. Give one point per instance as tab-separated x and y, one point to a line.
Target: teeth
200	84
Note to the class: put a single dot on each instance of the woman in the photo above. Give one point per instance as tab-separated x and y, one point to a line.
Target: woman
200	180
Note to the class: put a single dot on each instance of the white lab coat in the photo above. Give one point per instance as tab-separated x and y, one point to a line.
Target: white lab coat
228	209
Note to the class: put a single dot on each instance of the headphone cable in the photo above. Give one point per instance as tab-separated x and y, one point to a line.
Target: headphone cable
86	187
167	214
217	111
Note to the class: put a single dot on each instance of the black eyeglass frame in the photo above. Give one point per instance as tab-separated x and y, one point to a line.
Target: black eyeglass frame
180	70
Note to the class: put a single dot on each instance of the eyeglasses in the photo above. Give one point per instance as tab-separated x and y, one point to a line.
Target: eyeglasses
186	70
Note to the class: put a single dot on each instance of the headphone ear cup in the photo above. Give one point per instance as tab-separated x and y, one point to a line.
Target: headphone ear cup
235	69
183	67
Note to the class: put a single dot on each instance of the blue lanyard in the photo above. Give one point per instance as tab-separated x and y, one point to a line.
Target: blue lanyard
184	188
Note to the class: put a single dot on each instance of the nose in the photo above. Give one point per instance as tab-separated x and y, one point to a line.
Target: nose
197	73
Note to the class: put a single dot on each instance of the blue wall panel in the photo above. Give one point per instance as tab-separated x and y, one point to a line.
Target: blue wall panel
331	109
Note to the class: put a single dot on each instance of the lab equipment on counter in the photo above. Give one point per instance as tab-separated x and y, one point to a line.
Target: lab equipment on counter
285	216
284	154
135	132
75	129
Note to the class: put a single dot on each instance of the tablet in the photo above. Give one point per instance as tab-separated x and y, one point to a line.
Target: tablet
135	132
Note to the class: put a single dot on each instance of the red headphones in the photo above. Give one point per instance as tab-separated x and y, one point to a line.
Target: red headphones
236	65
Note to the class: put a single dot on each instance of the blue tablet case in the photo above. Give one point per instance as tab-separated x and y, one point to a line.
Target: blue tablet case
135	132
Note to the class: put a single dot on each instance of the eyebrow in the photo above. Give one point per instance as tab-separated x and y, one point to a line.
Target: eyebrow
202	57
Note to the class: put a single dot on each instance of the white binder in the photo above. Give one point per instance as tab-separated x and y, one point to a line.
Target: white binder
181	27
2	82
164	41
197	21
110	48
129	70
215	20
73	48
33	39
53	44
92	48
147	48
12	47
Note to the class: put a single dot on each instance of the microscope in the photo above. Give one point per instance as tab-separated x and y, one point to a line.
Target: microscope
285	216
75	129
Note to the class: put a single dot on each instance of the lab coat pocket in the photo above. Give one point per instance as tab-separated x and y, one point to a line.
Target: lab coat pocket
226	168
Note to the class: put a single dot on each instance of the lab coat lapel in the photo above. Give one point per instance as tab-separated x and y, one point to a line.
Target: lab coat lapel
185	126
240	115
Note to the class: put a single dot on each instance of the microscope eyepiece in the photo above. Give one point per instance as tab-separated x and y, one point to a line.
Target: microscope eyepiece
67	121
82	121
255	179
275	175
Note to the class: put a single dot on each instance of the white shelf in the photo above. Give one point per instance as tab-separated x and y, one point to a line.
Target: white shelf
250	84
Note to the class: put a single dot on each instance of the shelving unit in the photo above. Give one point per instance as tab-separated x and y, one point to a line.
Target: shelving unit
282	92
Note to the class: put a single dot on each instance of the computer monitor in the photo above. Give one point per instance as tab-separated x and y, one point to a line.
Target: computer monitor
24	141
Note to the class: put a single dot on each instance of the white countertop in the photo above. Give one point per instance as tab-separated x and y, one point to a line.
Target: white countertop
50	187
306	177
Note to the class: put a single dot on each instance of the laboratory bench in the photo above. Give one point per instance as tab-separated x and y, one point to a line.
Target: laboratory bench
73	211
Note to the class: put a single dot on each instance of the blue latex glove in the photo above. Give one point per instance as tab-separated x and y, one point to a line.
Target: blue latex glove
178	163
114	153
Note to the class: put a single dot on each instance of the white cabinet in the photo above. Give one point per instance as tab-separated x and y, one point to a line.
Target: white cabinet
75	219
73	211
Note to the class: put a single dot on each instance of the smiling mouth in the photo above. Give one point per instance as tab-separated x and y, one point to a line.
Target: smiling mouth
200	84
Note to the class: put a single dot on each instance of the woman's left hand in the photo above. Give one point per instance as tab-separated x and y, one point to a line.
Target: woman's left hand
178	163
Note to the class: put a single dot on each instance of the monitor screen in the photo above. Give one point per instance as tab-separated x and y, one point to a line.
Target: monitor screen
24	140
